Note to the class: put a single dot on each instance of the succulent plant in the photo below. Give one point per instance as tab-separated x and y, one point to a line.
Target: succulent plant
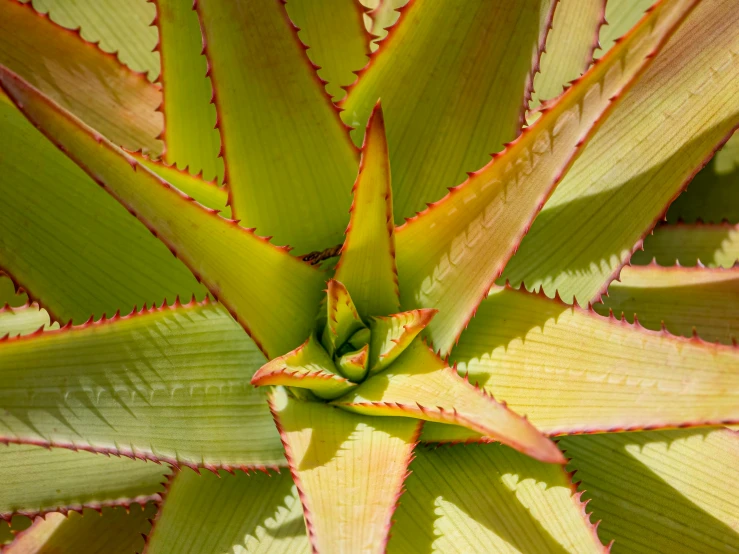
446	378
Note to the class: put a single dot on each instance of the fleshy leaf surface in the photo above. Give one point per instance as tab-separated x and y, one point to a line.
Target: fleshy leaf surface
663	131
573	371
620	17
489	498
189	117
391	335
8	294
83	79
38	480
661	491
349	470
343	317
257	513
714	245
420	385
449	255
354	364
273	295
24	320
170	384
289	169
367	263
681	298
308	366
435	73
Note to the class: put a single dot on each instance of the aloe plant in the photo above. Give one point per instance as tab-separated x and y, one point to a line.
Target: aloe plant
356	372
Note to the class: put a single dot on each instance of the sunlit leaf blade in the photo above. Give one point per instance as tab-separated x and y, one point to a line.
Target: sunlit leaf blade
189	117
449	255
336	36
713	245
367	263
661	491
569	47
621	16
420	385
684	298
273	295
207	193
289	170
665	128
391	335
489	498
256	513
571	370
88	82
122	28
63	238
355	364
171	385
712	195
23	320
435	75
38	480
309	367
343	318
113	531
349	470
382	15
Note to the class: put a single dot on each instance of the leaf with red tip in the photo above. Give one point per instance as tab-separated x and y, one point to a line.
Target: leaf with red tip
354	364
569	49
684	299
244	271
367	263
712	245
449	256
343	318
189	117
308	367
489	498
77	250
435	73
112	530
24	320
337	40
257	512
573	371
168	384
349	470
391	335
661	491
420	385
663	131
38	480
83	79
289	160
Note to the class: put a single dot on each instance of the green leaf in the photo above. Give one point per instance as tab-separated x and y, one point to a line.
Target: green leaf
122	28
665	491
367	263
343	318
83	79
391	335
289	161
570	44
714	245
621	16
355	364
8	294
664	130
680	298
383	14
113	531
308	367
337	39
24	320
189	117
449	255
15	526
169	384
573	371
273	295
257	513
67	241
420	385
38	480
489	498
435	76
349	471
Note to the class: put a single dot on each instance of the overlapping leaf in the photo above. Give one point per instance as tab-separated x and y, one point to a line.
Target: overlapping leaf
714	245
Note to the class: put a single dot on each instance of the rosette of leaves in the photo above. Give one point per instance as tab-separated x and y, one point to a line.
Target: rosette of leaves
395	379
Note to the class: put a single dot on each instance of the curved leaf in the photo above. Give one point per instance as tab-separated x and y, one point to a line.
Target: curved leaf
391	335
